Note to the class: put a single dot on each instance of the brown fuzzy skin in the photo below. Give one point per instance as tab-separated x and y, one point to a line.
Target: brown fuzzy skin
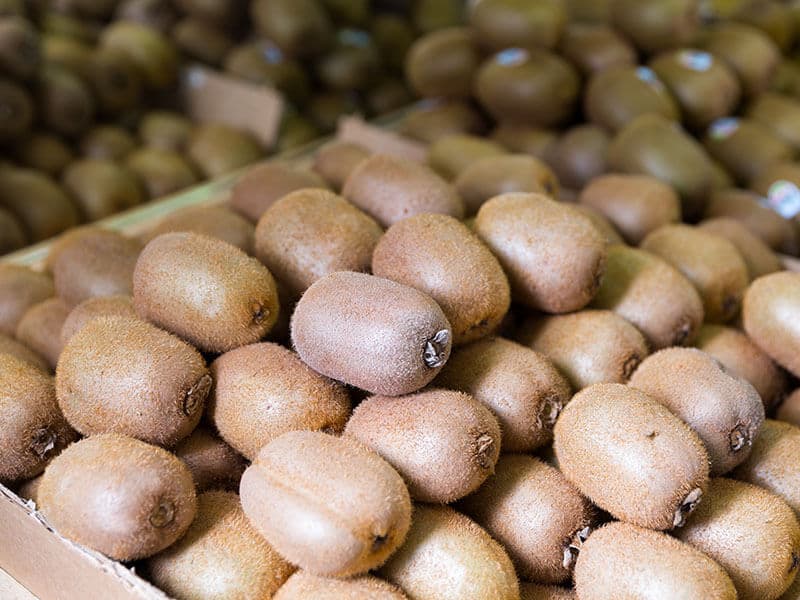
629	455
263	185
213	463
34	430
554	258
310	233
335	161
491	176
450	155
654	25
588	346
162	172
440	256
443	63
621	560
204	290
744	359
635	204
579	155
40	328
594	47
724	410
751	533
206	143
213	221
771	314
94	263
535	513
447	556
391	189
93	308
220	557
165	129
357	503
444	444
758	257
432	119
264	390
521	387
29	489
119	496
599	220
9	345
121	375
370	332
101	187
538	591
302	586
712	263
20	288
789	410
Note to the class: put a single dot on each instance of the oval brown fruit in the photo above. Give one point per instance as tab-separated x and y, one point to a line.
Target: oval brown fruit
302	585
40	328
93	308
213	221
9	345
213	463
20	288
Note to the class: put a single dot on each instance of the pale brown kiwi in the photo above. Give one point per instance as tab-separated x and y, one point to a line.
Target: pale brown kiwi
440	256
540	591
64	103
579	155
789	409
631	456
8	345
712	263
301	28
655	25
20	288
158	391
12	235
303	585
152	52
20	53
40	328
336	160
44	152
776	174
623	560
107	142
635	204
157	14
447	555
588	346
390	189
166	130
213	463
520	386
440	468
525	231
161	172
186	282
500	24
758	257
101	187
213	221
264	390
263	63
372	333
594	48
217	149
451	155
359	503
443	63
16	110
432	119
201	40
598	219
93	308
34	430
752	533
310	233
778	112
115	80
539	517
146	492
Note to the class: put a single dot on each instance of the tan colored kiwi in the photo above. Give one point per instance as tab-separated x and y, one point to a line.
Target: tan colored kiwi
264	390
107	142
378	335
443	63
358	502
19	47
158	389
744	359
64	102
588	346
520	386
265	184
161	172
310	233
200	40
771	314
538	516
40	328
525	232
438	467
92	308
579	155
336	160
635	204
217	149
631	456
101	187
34	430
450	155
469	564
302	585
220	556
439	255
758	257
390	189
152	52
8	345
212	221
432	119
20	288
300	28
594	47
534	141
600	221
778	112
204	290
712	263
500	24
540	591
789	410
115	79
752	533
621	560
145	491
44	152
655	25
166	130
213	463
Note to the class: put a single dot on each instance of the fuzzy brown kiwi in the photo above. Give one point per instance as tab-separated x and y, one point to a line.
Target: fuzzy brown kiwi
443	63
157	14
161	172
335	161
40	328
34	430
20	288
217	149
789	409
450	155
201	40
149	50
579	155
759	258
600	431
29	489
93	308
16	110
115	80
432	119
534	141
655	25
44	152
64	102
780	113
213	221
359	502
159	390
600	221
12	235
500	24
107	142
366	587
101	187
213	463
541	591
594	47
300	28
165	129
146	492
20	53
8	345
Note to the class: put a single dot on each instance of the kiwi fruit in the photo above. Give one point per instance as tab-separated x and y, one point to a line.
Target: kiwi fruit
775	176
431	119
217	149
159	390
325	109
12	235
301	28
215	279
264	390
655	25
607	424
157	14
40	328
372	333
64	102
20	289
150	51
68	53
213	221
599	220
20	52
295	131
359	503
500	24
789	409
393	35
34	430
595	47
534	141
16	110
733	511
386	96
165	129
101	187
29	489
366	587
469	564
443	63
59	23
541	591
155	498
336	160
525	231
759	258
450	155
390	189
780	113
201	40
8	345
401	430
588	346
115	80
161	172
312	232
623	560
263	63
579	155
530	87
351	64
44	152
107	142
225	13
774	19
213	463
94	308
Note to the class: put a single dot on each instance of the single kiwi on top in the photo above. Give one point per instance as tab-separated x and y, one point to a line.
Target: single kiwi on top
450	155
213	221
120	305
20	288
758	257
304	585
40	328
213	463
336	160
